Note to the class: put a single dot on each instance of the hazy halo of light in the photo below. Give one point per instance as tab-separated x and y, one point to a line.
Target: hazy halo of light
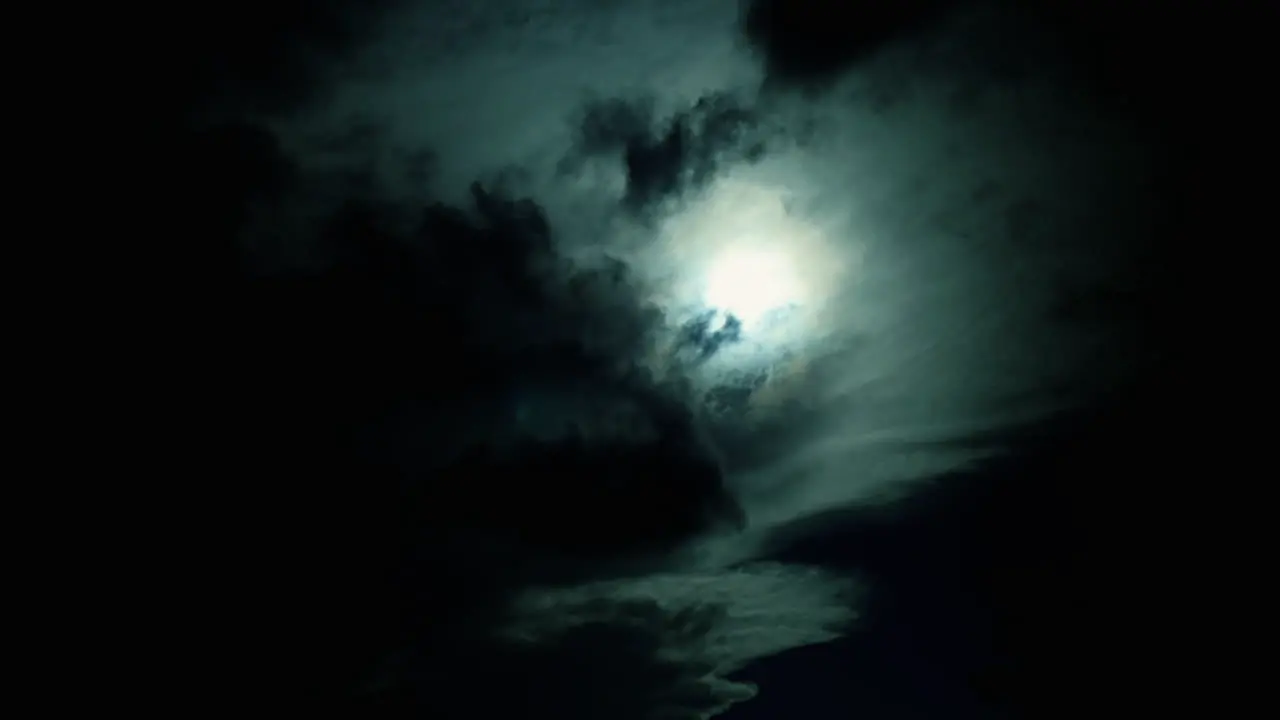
739	250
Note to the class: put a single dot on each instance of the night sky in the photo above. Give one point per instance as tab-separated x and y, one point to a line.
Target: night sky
663	360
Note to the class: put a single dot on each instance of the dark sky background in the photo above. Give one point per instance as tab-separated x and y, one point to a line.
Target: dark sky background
474	461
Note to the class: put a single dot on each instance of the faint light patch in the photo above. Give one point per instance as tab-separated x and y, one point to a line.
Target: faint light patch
724	618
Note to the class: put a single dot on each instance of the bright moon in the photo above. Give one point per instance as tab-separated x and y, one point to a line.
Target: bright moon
748	283
738	250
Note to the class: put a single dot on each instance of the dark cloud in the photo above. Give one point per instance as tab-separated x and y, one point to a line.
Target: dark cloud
469	307
664	158
428	414
708	332
810	42
1115	56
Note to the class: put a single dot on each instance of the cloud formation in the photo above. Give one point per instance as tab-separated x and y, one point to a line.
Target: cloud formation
470	391
452	424
659	646
664	160
811	43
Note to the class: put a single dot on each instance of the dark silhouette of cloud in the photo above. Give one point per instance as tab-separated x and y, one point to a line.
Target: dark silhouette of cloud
664	159
808	44
708	332
811	42
468	307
